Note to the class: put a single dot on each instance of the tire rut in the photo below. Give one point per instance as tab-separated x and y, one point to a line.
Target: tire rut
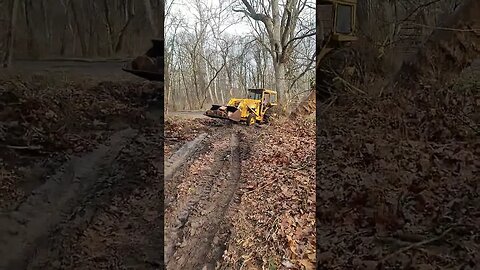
127	192
196	237
23	230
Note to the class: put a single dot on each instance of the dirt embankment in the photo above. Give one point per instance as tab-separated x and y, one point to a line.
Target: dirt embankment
397	179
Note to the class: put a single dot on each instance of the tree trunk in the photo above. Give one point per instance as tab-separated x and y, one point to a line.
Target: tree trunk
30	33
215	92
130	13
209	88
187	97
80	32
448	50
11	34
48	34
280	81
92	45
151	19
121	35
167	85
63	45
109	27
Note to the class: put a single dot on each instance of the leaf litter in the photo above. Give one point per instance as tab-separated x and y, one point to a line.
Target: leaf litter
397	181
273	225
44	120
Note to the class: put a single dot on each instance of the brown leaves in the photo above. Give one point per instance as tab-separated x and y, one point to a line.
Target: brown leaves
392	168
278	217
42	120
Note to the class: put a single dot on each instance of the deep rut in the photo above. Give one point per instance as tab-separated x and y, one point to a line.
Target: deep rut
25	228
195	225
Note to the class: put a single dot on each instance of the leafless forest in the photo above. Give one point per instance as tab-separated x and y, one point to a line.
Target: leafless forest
89	29
209	63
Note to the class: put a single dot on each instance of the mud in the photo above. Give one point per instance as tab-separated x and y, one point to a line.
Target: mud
32	220
118	223
181	156
196	229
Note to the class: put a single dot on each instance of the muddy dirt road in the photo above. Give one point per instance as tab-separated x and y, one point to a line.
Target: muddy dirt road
101	210
201	181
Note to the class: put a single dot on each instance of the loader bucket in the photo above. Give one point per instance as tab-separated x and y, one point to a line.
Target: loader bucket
224	112
150	65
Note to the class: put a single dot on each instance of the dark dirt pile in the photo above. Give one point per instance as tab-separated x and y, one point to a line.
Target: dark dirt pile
273	224
42	120
398	180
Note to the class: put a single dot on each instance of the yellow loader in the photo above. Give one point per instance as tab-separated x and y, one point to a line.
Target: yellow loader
259	106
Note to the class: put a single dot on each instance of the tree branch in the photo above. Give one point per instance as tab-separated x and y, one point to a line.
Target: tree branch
250	12
299	37
309	67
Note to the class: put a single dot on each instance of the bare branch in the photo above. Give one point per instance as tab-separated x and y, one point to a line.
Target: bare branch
300	37
250	12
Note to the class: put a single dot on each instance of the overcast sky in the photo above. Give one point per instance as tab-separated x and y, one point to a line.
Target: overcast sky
186	9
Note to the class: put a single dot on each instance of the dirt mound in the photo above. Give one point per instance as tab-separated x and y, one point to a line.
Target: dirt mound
451	48
397	181
273	224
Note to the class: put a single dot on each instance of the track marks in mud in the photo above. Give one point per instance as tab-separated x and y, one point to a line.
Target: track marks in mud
22	229
196	229
118	224
181	156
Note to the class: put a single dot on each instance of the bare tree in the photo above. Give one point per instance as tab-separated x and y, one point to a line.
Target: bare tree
78	24
11	34
280	28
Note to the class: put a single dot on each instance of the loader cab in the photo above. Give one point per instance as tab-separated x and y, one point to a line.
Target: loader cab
264	95
337	19
255	94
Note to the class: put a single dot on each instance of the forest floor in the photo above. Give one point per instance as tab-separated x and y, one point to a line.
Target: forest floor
398	179
244	198
81	172
81	183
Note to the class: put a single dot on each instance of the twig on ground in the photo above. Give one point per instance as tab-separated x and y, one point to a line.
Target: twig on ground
274	225
329	105
27	147
259	188
415	245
